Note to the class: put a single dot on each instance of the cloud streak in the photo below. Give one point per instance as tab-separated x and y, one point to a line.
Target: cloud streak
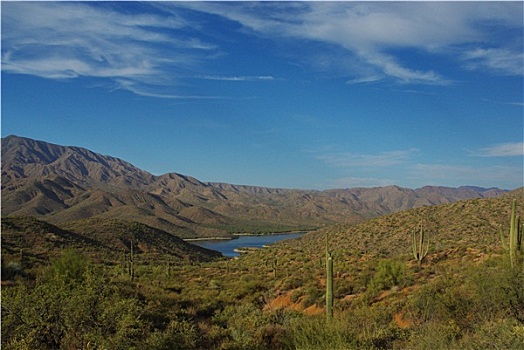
462	174
503	61
237	78
421	174
369	32
167	45
384	159
515	149
70	40
352	182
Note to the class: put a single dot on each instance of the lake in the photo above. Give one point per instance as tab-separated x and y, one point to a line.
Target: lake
228	247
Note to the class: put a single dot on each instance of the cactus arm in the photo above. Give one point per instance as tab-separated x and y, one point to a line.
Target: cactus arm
420	248
502	239
427	248
515	236
520	234
329	282
414	245
421	242
329	286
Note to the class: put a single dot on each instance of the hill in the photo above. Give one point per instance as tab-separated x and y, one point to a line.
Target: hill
99	238
62	184
462	235
464	295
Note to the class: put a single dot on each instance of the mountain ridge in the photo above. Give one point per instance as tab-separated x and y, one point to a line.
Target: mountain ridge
60	184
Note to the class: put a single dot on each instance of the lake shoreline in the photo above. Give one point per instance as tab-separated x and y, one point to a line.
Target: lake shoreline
208	239
238	235
270	234
246	243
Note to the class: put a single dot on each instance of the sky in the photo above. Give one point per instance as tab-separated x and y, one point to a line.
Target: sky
307	95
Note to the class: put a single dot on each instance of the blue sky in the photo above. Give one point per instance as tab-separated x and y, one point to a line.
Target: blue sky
311	95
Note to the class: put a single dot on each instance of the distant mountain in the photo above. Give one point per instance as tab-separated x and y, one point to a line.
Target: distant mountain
61	184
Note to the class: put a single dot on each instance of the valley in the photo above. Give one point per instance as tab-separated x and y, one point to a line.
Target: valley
60	184
94	257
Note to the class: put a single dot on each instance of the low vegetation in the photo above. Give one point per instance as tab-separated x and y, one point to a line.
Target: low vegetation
467	292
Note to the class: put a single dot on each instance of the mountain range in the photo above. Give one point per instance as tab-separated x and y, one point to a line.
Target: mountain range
64	185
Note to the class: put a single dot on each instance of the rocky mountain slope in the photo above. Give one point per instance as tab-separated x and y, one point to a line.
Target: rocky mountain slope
62	184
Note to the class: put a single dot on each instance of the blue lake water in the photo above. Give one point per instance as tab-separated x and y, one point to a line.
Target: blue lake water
228	247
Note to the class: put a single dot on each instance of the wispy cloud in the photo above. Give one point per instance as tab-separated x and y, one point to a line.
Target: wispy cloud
166	44
237	78
67	40
365	80
421	174
352	182
515	149
457	175
388	65
370	32
502	61
384	159
141	89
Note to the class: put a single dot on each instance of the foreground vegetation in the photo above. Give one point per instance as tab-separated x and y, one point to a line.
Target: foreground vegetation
464	294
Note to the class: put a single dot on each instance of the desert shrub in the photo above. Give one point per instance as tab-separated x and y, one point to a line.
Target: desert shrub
11	270
389	273
70	306
294	281
308	333
499	334
251	290
435	336
445	300
178	335
479	308
241	323
313	295
359	327
296	295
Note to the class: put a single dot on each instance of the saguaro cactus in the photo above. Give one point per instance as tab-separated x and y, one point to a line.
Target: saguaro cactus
131	262
168	268
22	260
329	282
420	246
515	236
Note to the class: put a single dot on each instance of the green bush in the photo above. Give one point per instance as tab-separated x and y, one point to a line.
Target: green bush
389	273
179	335
71	306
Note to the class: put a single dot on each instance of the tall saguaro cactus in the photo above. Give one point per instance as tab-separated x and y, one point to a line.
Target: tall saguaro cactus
132	262
22	260
515	236
329	282
421	245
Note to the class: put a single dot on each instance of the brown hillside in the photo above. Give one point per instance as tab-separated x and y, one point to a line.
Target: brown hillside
61	184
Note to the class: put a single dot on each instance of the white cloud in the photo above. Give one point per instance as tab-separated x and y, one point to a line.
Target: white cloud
388	65
237	78
352	182
422	174
67	40
141	89
365	80
64	40
515	149
456	175
499	60
384	159
369	31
